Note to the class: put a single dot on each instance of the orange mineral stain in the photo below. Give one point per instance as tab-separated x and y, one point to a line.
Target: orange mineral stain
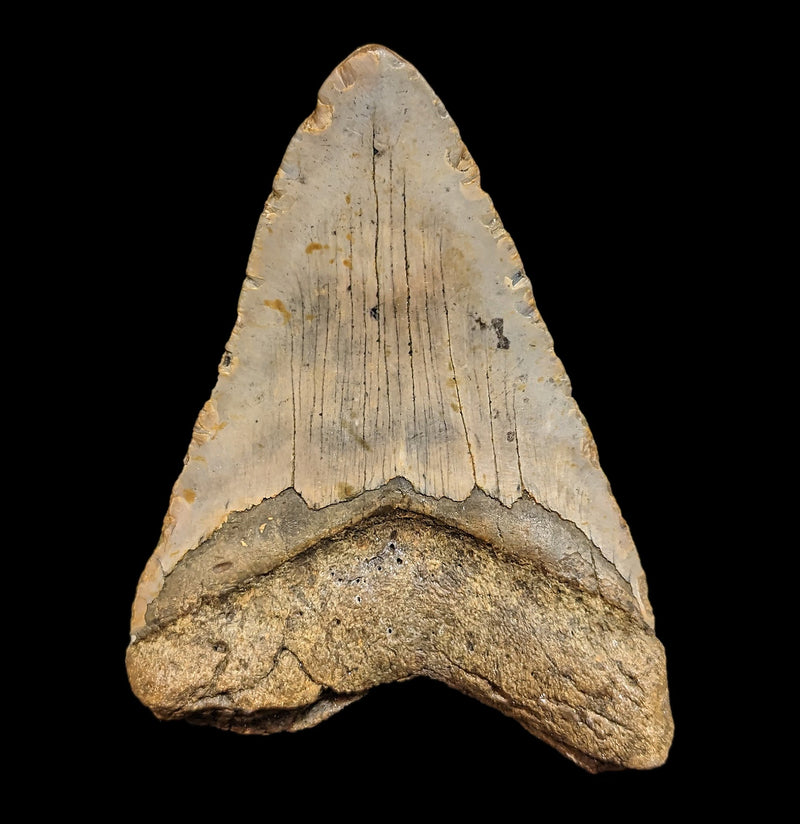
313	247
279	306
344	490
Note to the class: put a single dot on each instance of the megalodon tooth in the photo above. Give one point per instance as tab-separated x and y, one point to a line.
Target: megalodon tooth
391	478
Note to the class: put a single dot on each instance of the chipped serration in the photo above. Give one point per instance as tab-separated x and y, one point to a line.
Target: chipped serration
391	478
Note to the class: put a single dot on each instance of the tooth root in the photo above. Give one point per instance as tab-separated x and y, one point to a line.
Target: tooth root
391	477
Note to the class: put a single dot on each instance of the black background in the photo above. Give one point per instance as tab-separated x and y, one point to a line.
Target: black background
596	141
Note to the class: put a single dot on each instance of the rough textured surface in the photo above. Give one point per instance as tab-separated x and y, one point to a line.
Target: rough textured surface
391	477
401	595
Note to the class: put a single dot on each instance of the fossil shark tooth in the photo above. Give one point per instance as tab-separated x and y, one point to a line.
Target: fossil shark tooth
391	478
